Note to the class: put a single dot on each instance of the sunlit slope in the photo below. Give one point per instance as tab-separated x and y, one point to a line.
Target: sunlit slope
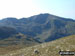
47	49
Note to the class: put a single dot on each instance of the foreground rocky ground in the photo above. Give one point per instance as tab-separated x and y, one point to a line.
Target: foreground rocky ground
46	49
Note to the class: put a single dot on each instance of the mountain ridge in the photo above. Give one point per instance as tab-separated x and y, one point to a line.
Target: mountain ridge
36	15
38	26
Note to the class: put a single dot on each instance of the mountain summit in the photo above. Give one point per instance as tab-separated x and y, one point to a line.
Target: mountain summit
43	27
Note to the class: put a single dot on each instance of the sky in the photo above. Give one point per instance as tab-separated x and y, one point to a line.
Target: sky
27	8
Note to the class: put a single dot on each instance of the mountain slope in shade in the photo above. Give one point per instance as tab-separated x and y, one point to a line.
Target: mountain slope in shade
6	32
43	27
47	49
10	36
11	39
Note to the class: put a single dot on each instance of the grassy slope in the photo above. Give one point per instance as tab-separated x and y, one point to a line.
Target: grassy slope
47	49
13	43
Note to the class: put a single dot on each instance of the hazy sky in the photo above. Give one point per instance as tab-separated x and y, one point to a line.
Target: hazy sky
26	8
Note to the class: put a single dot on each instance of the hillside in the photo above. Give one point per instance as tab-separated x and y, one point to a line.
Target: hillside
42	27
6	32
10	36
16	42
11	39
47	49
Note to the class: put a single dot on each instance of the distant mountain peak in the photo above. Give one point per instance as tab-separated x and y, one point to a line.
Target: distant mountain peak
45	26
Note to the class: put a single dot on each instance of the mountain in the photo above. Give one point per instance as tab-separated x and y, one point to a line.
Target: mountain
47	49
42	27
16	34
9	36
11	39
6	32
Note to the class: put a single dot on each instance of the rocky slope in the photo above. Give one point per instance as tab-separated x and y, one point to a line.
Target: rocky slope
47	49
